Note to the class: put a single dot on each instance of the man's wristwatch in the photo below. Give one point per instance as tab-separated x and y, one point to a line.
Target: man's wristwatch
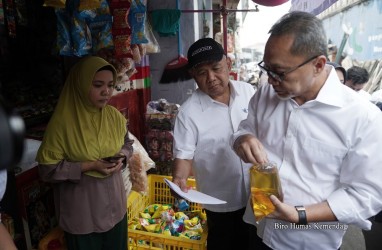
301	215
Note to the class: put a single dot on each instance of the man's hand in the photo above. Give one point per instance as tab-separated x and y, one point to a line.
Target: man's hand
250	149
283	211
181	182
319	212
180	173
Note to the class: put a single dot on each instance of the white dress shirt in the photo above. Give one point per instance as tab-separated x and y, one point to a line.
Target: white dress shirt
365	94
327	149
202	132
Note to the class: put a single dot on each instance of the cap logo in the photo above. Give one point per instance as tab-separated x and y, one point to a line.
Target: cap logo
201	50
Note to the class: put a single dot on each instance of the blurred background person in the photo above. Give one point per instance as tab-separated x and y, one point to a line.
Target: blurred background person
341	72
356	79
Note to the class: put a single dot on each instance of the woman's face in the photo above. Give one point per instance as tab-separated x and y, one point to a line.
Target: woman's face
102	88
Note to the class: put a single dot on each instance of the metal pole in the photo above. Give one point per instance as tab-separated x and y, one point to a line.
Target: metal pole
224	14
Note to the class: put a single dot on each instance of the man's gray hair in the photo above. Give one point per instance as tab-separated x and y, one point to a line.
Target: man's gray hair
308	31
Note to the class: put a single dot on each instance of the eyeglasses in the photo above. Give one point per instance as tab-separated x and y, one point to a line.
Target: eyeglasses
281	76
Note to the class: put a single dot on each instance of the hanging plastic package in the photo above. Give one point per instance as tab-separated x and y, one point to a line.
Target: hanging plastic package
152	46
120	11
64	43
122	43
121	30
79	30
137	17
89	5
59	4
80	33
100	28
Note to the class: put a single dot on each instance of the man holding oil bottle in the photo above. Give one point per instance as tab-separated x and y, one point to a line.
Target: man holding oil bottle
323	138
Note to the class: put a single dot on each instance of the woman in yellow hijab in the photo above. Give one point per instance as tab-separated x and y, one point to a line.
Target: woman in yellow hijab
90	198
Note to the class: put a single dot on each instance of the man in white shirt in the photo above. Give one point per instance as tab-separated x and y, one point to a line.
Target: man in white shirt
356	79
323	136
202	132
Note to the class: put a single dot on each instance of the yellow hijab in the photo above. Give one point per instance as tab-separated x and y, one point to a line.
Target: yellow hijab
78	131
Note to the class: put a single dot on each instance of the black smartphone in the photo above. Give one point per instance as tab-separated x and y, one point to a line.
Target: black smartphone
113	158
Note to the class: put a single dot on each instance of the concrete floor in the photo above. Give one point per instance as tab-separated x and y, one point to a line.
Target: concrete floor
353	239
356	239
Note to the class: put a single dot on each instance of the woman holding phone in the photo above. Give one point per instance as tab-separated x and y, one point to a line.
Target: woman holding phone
90	198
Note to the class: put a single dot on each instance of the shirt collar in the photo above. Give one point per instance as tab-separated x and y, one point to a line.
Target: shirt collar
206	101
332	92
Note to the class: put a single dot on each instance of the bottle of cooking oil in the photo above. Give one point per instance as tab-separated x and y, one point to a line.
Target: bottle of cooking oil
265	181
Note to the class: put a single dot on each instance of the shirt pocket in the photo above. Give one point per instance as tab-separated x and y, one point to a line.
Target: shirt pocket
321	159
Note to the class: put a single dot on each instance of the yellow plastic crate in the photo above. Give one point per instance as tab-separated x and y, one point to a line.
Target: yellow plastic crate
159	193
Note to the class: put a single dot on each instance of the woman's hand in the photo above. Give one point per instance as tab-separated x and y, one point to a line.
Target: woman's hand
103	166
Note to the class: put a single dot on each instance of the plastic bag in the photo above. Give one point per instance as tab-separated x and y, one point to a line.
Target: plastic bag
148	163
152	46
136	18
138	175
126	180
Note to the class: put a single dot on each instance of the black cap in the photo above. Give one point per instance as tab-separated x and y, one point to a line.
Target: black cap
337	66
204	50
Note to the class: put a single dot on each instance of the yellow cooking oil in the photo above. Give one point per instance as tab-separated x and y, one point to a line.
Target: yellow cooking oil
265	181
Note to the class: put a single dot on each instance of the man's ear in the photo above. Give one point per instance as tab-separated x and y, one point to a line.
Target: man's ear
229	62
320	64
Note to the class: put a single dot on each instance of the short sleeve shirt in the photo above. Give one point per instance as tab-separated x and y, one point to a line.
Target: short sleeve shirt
202	131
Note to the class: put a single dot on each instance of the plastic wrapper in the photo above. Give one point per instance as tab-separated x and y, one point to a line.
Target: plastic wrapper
126	180
148	163
131	72
162	106
164	220
136	53
188	234
142	49
152	208
120	12
176	227
154	228
81	35
192	222
181	216
122	65
137	19
197	228
145	215
64	41
160	142
100	27
167	216
138	175
162	209
152	46
55	3
122	42
89	4
181	204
